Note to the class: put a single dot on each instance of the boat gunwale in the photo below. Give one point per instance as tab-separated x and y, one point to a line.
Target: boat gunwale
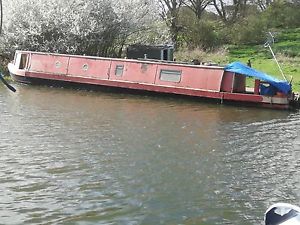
219	95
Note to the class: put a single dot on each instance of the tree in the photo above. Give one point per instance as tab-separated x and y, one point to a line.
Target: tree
197	6
170	14
92	27
283	14
230	11
135	19
263	4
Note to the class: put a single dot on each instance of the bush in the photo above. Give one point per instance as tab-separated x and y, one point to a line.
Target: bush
92	27
283	14
250	30
201	34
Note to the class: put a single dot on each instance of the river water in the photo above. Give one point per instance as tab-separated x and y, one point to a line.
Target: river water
81	157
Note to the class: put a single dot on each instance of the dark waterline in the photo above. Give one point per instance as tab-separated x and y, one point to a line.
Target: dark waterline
79	157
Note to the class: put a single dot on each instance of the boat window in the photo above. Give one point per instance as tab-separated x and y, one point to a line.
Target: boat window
119	70
170	75
85	67
23	61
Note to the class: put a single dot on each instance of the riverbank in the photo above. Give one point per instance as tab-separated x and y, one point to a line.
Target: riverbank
286	49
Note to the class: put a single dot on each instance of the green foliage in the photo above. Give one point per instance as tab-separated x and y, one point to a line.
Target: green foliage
92	27
250	26
283	14
104	27
202	35
55	26
198	33
250	30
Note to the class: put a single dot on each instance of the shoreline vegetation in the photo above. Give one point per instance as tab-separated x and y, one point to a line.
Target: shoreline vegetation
232	31
286	49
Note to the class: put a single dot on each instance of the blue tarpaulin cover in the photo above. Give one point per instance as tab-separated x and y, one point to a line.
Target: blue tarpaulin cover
240	68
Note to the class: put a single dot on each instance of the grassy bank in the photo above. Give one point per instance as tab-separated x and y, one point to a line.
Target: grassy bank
286	49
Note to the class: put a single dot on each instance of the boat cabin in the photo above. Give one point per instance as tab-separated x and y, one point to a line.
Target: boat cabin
158	52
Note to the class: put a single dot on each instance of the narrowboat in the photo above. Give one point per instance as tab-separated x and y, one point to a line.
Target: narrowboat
223	83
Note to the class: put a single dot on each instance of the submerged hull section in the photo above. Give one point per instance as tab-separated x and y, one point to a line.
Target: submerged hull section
190	80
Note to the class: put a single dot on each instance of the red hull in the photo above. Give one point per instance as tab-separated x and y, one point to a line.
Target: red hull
190	80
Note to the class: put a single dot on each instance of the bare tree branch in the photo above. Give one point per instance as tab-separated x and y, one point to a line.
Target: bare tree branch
197	6
170	13
229	12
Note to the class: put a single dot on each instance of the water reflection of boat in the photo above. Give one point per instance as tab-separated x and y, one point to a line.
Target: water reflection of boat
226	84
282	214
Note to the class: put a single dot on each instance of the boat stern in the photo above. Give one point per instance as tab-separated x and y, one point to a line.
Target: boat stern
18	67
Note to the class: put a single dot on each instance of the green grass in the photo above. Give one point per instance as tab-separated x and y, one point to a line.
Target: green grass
290	68
286	49
287	52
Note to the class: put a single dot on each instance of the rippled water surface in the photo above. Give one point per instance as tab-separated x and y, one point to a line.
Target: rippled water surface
78	157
